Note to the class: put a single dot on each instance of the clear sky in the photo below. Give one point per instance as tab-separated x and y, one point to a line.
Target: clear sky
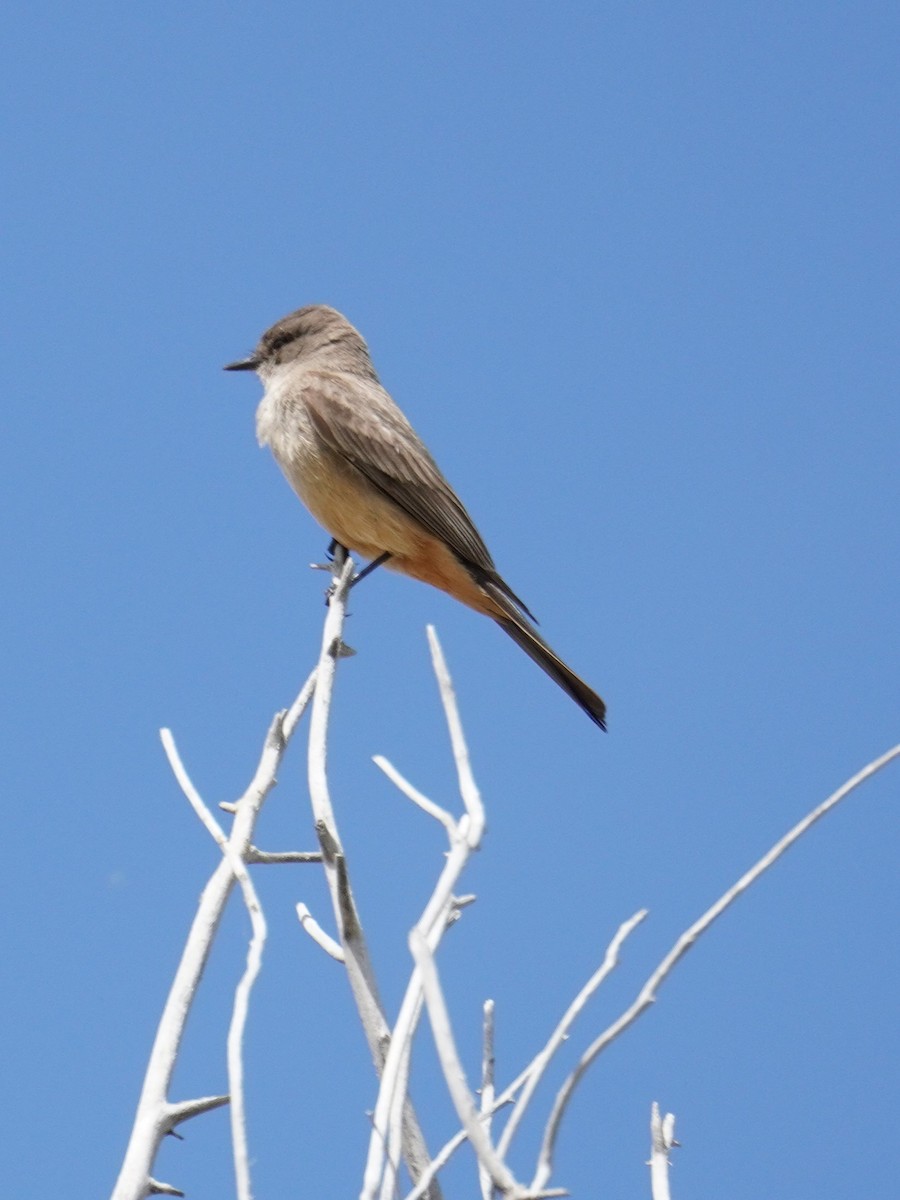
632	271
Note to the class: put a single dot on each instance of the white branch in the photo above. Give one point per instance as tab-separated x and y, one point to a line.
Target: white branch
500	1174
266	857
318	934
647	994
356	954
450	1147
413	793
464	839
394	1145
184	1110
235	1040
487	1087
244	988
154	1117
467	787
662	1139
539	1064
156	1188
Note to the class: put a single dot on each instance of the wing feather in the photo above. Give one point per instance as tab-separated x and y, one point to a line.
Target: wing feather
372	434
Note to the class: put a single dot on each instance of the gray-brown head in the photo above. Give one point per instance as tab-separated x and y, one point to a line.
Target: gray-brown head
315	332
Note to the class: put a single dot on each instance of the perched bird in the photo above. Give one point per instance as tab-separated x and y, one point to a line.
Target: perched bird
362	471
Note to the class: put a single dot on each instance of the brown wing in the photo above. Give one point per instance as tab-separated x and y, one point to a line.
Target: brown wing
358	420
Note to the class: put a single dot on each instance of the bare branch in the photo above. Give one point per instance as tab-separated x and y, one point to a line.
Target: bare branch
467	787
539	1064
500	1174
356	955
450	1147
432	925
155	1188
412	793
438	1162
662	1139
265	857
234	1044
647	994
318	934
487	1087
154	1113
235	1039
393	1148
291	718
210	824
186	1109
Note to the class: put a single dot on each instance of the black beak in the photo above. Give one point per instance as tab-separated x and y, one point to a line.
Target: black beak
243	364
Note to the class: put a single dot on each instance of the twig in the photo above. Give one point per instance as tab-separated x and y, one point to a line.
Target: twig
235	1039
647	994
539	1064
446	1152
265	857
318	934
156	1115
464	839
413	793
500	1174
394	1145
487	1087
467	787
357	960
662	1139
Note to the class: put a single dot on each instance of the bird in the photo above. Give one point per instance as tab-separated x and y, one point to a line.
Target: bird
365	475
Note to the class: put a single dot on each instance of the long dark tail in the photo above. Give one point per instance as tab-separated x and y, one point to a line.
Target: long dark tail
536	648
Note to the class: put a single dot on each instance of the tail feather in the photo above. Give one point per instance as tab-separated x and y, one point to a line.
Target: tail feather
538	650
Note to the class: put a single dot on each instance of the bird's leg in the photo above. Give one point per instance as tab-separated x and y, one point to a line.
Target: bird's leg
372	566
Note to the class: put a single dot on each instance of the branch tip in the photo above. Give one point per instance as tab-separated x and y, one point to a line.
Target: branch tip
318	934
155	1188
186	1109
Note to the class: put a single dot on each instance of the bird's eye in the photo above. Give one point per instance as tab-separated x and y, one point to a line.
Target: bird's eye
280	339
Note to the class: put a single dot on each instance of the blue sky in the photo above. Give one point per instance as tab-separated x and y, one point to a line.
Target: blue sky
632	272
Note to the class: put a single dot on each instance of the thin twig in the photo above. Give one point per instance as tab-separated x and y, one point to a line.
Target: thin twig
488	1062
298	708
450	1147
357	960
266	857
413	793
467	787
455	1078
235	1039
318	934
647	994
186	1110
662	1139
431	926
154	1115
560	1033
538	1064
394	1144
237	1025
